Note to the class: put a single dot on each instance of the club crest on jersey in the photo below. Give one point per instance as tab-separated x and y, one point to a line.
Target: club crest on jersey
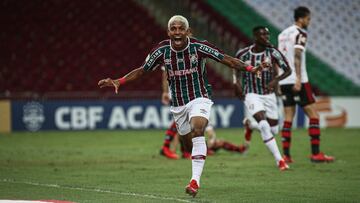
193	59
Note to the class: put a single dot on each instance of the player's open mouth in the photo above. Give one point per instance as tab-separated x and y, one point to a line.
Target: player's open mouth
178	40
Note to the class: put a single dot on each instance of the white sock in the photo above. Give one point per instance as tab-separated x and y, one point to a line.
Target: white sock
269	139
275	129
198	156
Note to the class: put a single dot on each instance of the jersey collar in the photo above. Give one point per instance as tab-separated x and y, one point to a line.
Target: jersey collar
187	46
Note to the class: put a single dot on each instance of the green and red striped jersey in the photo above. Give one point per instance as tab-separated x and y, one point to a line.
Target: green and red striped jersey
185	69
250	82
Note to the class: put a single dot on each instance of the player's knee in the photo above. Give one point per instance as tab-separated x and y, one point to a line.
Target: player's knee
275	129
265	130
197	132
311	111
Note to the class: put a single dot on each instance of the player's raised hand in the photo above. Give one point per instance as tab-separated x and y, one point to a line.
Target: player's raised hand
109	83
272	86
297	86
165	98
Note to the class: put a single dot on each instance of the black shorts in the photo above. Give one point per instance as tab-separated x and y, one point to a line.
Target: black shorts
302	98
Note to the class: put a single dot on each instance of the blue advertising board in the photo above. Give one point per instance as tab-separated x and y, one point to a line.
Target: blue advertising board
98	114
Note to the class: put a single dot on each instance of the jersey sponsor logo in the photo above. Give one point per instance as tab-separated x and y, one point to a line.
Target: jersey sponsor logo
209	50
182	72
151	58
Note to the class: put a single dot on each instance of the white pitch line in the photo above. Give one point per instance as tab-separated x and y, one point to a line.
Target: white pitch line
96	190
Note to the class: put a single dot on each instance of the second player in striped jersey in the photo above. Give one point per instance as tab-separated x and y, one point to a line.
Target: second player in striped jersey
260	99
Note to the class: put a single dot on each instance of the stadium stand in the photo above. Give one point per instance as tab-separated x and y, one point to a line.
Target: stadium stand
243	16
334	39
65	47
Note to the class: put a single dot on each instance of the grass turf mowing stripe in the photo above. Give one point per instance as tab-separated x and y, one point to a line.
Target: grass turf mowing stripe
96	190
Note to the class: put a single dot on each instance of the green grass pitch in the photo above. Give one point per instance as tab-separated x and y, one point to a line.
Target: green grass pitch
125	166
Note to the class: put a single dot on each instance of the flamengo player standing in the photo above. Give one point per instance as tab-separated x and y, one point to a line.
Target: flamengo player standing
260	99
296	88
184	61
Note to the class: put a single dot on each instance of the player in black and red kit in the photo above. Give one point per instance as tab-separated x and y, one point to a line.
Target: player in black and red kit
296	88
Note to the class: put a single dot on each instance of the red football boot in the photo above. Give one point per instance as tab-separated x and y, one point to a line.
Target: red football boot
282	165
321	158
165	151
192	188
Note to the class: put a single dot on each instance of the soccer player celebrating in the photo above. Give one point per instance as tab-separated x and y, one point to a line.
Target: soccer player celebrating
260	99
183	58
296	88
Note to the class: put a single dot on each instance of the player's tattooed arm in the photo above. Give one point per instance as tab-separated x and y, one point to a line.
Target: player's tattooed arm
237	85
237	64
272	86
297	63
133	75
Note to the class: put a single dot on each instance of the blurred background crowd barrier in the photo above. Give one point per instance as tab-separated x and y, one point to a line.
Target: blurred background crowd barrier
53	52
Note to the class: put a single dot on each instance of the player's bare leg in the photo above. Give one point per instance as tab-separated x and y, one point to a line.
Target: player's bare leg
314	132
198	154
286	132
186	145
269	139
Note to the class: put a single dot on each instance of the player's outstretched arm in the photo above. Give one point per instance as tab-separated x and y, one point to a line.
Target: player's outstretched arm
237	64
133	75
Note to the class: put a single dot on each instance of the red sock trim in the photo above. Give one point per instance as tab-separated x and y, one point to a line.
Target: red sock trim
315	142
286	144
314	121
314	131
287	124
201	157
286	133
265	141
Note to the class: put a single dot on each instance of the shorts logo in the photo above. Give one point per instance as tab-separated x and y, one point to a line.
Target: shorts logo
33	116
203	111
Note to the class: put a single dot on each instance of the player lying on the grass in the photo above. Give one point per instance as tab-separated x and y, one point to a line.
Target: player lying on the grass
260	99
171	139
184	60
296	89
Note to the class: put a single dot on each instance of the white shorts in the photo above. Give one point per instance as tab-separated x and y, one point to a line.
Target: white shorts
183	114
255	103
